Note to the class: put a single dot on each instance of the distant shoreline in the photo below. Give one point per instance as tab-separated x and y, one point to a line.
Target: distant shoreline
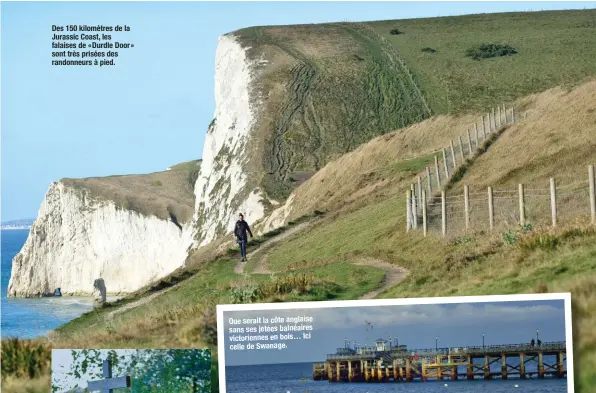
14	228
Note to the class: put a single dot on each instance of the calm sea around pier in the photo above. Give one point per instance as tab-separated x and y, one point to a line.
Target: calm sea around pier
284	378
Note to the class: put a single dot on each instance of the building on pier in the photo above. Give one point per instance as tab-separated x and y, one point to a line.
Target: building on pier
386	362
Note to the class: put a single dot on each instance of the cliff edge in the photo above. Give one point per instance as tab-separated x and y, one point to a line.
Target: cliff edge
128	230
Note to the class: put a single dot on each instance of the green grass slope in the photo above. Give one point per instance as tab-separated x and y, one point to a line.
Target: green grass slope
331	88
554	48
327	88
319	263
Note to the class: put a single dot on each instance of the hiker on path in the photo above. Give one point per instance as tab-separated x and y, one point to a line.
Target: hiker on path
240	231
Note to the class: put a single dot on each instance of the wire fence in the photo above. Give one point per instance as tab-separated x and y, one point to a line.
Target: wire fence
499	209
431	211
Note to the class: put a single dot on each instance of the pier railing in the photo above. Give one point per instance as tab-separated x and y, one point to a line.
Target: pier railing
474	350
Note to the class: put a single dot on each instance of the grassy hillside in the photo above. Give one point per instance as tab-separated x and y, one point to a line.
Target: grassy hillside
554	48
166	195
321	263
331	88
327	88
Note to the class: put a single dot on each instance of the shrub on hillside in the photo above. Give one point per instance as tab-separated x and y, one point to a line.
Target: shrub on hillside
24	359
485	51
428	50
395	31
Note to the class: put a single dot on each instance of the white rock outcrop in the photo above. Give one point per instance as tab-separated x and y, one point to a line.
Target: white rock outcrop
76	240
224	186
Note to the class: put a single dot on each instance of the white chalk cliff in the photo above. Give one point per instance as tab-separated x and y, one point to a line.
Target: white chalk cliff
224	186
77	239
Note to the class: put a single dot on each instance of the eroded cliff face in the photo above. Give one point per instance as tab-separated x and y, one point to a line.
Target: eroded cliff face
133	231
228	181
78	238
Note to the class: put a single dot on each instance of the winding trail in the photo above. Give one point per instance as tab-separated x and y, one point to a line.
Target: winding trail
261	265
393	274
139	302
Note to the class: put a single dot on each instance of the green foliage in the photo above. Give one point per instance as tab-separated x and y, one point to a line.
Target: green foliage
413	166
509	237
460	171
428	50
248	293
395	31
527	227
485	51
512	236
156	183
540	241
151	371
462	240
24	358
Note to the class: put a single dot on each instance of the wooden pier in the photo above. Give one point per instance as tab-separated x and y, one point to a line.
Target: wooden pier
400	364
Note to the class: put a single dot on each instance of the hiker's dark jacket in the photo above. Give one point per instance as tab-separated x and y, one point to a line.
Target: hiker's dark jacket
241	229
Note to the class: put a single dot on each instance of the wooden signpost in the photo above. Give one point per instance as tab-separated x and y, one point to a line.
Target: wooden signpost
106	385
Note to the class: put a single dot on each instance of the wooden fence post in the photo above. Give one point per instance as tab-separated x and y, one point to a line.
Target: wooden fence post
483	129
476	135
491	215
494	121
592	193
498	116
467	205
429	185
469	143
461	150
437	173
504	112
408	210
490	123
504	115
419	192
522	205
414	209
443	214
553	201
512	115
445	164
453	154
424	222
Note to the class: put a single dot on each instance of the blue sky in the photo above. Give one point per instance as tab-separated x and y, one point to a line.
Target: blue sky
152	109
417	326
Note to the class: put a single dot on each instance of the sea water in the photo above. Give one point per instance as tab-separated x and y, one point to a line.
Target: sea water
297	378
28	318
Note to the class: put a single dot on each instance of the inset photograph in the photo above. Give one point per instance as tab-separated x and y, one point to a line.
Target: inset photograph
131	370
492	343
